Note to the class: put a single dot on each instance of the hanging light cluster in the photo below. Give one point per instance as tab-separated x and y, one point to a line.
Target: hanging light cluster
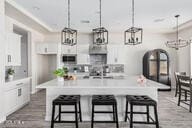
100	35
68	35
178	43
133	35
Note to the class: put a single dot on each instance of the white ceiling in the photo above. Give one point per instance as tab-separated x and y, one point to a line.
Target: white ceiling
116	14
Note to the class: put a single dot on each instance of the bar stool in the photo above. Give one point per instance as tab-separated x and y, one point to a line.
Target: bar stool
141	101
68	100
104	100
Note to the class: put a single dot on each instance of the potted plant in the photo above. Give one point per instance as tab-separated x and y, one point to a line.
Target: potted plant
61	73
10	73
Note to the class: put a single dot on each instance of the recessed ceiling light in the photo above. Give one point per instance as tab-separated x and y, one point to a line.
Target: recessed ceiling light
85	21
159	20
36	8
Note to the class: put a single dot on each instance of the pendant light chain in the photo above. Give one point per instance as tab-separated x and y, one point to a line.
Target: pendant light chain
100	12
133	13
68	13
177	34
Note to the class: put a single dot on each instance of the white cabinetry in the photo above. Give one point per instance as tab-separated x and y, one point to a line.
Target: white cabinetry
13	49
17	94
115	54
65	49
83	54
47	48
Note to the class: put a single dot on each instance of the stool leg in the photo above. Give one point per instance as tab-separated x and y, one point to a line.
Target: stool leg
131	116
126	111
92	119
116	113
59	112
147	114
76	116
156	116
80	114
113	112
53	116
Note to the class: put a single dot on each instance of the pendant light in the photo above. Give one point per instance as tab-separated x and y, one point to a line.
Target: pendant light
68	35
178	43
100	35
133	35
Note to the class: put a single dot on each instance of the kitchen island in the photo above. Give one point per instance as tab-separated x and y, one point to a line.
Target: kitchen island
88	87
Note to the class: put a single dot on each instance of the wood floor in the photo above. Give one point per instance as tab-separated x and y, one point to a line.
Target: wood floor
32	115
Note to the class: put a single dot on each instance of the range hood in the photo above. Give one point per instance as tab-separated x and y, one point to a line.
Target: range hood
97	49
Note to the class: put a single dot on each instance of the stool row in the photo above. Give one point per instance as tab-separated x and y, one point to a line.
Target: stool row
105	100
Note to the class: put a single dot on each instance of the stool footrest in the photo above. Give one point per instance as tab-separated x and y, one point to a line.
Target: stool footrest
137	112
64	121
68	112
142	122
105	121
103	111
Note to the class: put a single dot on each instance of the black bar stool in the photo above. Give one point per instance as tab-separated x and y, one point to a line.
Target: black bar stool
141	101
104	100
68	100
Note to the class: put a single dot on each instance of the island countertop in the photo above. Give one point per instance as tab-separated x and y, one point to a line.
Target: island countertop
126	82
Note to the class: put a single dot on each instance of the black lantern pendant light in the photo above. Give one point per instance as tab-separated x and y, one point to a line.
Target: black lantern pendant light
68	35
133	35
100	35
178	43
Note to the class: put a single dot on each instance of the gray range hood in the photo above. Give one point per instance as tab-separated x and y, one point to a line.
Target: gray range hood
97	49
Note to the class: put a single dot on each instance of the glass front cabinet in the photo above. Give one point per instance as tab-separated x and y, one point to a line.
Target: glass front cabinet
156	66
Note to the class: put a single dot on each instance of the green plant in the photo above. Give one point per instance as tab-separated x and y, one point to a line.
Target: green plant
10	71
61	72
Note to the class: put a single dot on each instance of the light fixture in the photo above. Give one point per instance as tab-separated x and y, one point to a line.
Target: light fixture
178	43
133	35
68	35
100	35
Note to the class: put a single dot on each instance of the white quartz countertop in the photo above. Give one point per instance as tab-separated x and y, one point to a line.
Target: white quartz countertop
126	82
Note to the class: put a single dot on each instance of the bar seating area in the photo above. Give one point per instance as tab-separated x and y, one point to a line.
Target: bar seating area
105	100
141	101
66	100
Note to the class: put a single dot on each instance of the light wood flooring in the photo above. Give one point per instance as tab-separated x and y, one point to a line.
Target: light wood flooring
32	115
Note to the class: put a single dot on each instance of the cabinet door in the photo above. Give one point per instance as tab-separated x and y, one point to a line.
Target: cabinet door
65	49
13	50
113	56
52	48
83	54
10	100
26	93
41	48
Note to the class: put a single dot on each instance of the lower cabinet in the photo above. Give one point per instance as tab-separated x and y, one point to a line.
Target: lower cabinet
17	96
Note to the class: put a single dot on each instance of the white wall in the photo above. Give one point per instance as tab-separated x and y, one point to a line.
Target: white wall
131	54
2	58
34	37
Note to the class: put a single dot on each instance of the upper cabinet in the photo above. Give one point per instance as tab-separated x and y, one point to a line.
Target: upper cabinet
13	49
83	54
115	54
47	48
65	49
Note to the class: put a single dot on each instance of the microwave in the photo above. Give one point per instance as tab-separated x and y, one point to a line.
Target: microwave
69	59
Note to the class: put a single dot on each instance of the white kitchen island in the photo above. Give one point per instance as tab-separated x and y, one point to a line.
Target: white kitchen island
88	87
